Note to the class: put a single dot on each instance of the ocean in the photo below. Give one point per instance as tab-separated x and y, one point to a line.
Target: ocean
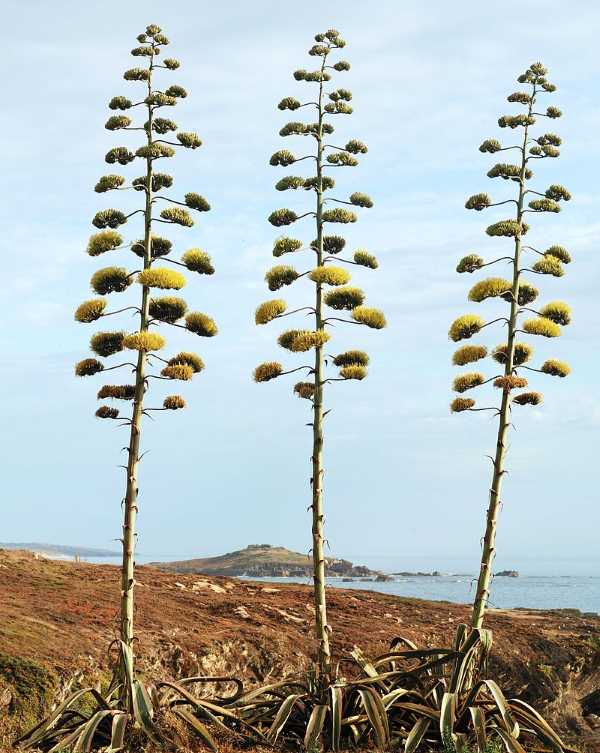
542	584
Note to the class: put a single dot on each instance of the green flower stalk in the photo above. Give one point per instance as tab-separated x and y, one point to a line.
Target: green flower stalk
329	283
519	294
153	311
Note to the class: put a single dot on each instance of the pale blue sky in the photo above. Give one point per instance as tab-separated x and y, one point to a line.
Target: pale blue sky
403	476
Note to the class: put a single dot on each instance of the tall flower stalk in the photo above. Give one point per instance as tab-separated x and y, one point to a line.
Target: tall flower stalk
151	311
330	283
519	294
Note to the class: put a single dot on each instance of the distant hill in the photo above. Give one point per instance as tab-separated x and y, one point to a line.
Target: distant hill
58	550
264	560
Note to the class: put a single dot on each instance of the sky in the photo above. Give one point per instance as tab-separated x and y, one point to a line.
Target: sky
404	478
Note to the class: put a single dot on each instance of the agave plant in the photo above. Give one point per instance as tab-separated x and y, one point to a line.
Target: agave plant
330	284
437	699
425	700
515	290
127	702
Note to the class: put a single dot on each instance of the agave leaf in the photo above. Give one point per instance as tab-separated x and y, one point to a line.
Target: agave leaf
511	726
402	641
487	639
227	699
142	709
119	725
377	716
362	661
174	687
511	743
257	692
466	658
448	716
379	679
462	632
419	709
65	742
416	734
478	719
473	693
197	726
336	701
389	698
282	716
537	721
31	737
355	733
315	726
127	659
86	738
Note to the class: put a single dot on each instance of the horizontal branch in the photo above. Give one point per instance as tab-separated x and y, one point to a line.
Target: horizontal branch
120	366
500	319
336	319
127	308
295	311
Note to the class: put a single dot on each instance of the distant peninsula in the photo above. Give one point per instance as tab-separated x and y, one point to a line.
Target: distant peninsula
58	550
267	561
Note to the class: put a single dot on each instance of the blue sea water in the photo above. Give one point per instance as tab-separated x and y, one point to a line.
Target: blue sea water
530	592
542	584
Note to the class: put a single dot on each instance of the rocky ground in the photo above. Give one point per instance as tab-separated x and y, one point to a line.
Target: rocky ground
59	617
